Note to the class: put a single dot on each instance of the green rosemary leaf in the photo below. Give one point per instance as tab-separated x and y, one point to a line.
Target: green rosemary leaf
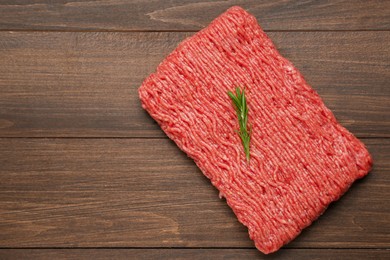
241	107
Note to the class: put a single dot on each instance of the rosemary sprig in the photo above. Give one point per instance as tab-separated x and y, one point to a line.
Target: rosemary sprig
241	107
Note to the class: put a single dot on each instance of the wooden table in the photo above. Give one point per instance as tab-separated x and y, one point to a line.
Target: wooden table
86	173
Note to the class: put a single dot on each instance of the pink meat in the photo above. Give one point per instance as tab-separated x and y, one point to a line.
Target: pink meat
302	159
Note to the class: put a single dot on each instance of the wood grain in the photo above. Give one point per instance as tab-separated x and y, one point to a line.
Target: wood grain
118	254
176	15
147	193
85	84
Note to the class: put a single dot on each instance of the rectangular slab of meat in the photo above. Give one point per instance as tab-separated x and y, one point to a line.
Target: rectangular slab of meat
301	158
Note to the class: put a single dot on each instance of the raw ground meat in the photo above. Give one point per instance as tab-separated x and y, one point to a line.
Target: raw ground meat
301	158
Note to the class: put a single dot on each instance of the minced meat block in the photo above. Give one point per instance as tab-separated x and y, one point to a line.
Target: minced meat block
301	158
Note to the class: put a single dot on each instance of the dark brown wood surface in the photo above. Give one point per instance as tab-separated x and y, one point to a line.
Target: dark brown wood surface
200	254
85	84
86	173
146	192
190	15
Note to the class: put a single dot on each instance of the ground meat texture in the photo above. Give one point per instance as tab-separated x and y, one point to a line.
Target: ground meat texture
301	158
